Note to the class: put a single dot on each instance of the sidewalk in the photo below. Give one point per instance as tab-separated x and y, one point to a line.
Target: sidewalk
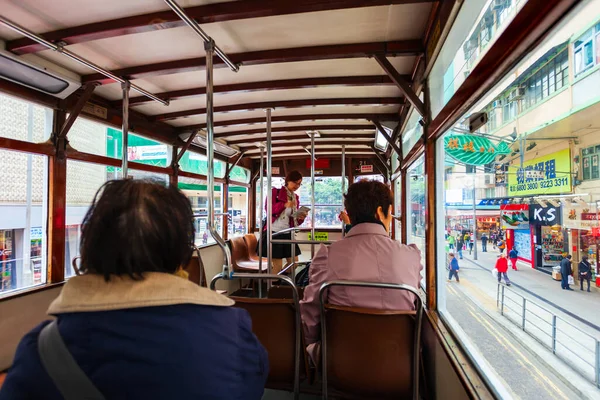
576	306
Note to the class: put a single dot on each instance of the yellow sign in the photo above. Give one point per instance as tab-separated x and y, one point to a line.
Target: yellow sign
319	236
550	174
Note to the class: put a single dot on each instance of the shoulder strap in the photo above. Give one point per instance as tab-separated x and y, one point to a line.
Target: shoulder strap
68	377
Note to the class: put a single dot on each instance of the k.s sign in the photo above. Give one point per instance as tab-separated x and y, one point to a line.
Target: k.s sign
549	216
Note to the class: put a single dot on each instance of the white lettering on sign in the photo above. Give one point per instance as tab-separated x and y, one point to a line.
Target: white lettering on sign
550	215
544	215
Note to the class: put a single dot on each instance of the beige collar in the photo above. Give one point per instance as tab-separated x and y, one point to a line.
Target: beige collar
91	292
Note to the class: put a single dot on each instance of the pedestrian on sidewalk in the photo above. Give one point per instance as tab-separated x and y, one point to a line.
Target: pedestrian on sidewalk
502	268
451	241
585	272
459	246
471	243
501	245
453	268
565	272
484	240
513	255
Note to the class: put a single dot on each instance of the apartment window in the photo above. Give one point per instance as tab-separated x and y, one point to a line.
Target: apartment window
543	83
590	160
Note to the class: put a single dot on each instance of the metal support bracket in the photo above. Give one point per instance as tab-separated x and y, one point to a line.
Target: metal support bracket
233	165
402	84
185	147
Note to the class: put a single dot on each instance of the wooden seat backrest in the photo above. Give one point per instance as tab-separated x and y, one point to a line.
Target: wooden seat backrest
195	270
370	352
274	324
251	244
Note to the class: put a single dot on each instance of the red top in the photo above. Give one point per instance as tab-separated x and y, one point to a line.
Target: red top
502	264
278	199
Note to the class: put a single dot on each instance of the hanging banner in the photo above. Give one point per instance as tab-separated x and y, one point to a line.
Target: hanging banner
514	216
143	153
550	174
473	149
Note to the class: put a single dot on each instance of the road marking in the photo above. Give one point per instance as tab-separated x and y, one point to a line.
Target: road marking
494	332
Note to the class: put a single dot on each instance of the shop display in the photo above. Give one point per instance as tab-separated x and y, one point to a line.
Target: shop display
552	246
522	243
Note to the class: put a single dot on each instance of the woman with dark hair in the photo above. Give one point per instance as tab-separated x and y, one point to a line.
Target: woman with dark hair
285	214
132	322
366	253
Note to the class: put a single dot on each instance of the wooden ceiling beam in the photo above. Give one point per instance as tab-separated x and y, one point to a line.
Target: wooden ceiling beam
293	118
277	138
302	146
282	84
299	128
205	14
282	104
312	53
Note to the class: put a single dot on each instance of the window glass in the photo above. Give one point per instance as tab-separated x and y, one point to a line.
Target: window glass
238	211
23	120
417	204
543	204
477	26
88	136
240	174
412	133
23	220
196	191
198	164
277	183
328	201
83	181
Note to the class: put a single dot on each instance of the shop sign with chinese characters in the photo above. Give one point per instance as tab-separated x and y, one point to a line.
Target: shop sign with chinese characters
575	217
474	150
550	174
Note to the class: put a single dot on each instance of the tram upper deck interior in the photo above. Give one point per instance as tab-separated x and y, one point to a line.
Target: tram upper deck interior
340	90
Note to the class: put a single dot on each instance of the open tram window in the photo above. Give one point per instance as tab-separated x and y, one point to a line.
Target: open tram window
196	191
417	205
23	219
541	202
237	210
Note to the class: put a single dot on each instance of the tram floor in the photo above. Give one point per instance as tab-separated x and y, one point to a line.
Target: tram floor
523	375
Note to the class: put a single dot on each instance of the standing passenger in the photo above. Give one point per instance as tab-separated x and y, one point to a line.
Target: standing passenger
133	322
366	253
285	204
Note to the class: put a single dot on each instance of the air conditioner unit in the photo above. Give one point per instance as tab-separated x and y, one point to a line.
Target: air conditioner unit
497	103
26	73
516	93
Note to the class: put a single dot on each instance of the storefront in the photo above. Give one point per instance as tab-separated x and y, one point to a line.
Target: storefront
585	233
550	239
7	260
515	223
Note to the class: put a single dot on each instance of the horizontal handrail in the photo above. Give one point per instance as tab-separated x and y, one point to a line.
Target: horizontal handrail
287	241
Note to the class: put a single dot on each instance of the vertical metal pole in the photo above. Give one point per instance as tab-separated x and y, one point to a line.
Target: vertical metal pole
209	48
498	296
312	192
597	364
261	213
524	313
502	304
124	164
343	185
269	195
474	221
554	334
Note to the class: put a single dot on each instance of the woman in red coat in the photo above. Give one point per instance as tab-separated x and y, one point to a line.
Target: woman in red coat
502	268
